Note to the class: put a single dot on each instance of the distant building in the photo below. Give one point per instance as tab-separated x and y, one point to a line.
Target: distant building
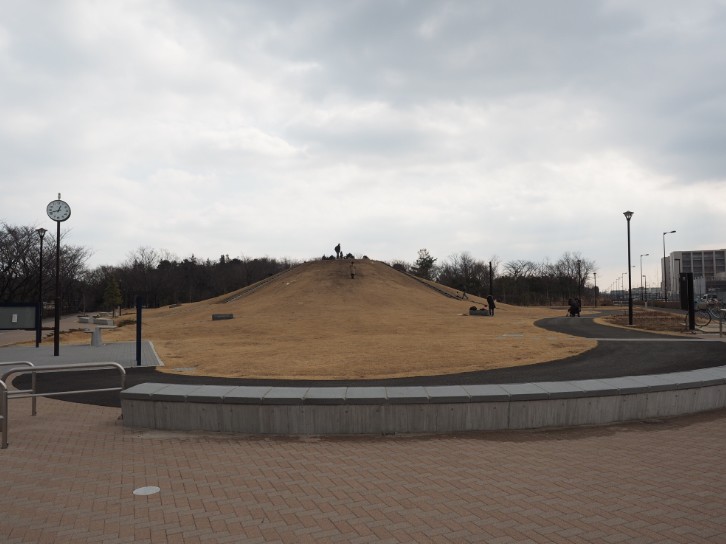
708	267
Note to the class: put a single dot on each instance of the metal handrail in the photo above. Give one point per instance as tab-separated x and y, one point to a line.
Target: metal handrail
24	393
26	363
10	363
3	416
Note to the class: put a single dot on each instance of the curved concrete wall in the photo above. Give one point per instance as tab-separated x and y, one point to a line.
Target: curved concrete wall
437	409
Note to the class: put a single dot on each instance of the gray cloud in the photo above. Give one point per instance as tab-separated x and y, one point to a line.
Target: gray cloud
517	129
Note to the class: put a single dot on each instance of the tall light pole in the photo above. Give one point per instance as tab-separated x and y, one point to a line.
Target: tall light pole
641	274
38	334
665	270
642	277
595	274
628	215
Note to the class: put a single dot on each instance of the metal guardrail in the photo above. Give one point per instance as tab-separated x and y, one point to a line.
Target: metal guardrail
23	363
3	417
5	394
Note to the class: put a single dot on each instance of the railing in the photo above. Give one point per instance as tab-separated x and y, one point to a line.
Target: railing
23	363
24	393
3	417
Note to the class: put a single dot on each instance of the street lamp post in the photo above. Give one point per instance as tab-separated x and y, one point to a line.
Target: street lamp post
665	270
641	274
628	215
38	331
642	277
595	274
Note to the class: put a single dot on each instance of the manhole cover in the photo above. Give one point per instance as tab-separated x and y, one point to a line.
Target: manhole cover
148	490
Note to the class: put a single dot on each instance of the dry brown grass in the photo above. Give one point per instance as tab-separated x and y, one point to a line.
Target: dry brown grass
649	320
315	322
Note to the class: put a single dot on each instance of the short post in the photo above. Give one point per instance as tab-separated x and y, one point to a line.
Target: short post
34	388
138	330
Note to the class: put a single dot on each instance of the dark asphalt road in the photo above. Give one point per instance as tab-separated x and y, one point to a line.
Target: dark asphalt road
619	352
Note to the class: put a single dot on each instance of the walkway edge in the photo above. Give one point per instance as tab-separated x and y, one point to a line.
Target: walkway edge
437	409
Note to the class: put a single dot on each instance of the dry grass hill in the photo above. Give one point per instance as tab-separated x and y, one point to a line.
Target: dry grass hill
314	321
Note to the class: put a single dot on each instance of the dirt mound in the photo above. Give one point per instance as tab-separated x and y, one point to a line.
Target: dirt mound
314	321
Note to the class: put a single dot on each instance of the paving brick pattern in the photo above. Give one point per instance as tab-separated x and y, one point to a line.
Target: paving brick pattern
70	472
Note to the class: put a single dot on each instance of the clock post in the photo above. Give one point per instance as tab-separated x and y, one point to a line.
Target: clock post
58	211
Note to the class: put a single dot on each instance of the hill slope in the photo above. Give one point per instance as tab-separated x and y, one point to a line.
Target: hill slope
314	321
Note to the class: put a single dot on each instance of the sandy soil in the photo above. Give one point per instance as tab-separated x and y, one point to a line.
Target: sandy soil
314	321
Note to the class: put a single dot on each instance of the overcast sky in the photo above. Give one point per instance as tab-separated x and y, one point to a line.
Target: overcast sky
516	129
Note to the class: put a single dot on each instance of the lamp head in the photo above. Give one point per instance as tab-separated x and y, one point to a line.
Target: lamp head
41	232
628	215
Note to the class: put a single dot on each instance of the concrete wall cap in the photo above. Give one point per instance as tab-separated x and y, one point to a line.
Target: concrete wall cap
561	390
325	395
711	376
626	385
366	395
210	393
246	394
447	393
407	395
595	388
657	382
174	392
285	395
486	393
142	391
524	391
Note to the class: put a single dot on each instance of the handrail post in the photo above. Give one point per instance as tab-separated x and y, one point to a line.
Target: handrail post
4	414
34	390
23	363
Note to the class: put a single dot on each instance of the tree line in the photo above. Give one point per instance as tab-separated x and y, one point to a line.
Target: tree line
521	282
161	278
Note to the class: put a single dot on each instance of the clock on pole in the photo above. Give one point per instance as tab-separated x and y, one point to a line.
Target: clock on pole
58	210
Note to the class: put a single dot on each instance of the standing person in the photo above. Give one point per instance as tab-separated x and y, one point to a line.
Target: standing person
491	304
352	270
337	251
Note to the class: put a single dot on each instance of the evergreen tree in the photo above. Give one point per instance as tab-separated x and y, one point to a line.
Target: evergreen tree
112	294
424	265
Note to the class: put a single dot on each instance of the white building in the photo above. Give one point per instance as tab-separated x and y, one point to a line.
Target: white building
708	267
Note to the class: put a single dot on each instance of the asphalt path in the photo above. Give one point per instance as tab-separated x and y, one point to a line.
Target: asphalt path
619	352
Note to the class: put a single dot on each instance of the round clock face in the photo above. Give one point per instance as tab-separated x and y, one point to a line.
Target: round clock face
59	210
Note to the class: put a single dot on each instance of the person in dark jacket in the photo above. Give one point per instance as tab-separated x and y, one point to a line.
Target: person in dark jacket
491	304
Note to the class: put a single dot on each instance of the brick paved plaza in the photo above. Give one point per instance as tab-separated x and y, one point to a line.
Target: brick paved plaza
70	472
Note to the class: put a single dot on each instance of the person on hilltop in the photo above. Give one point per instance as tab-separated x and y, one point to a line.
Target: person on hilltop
352	270
337	251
